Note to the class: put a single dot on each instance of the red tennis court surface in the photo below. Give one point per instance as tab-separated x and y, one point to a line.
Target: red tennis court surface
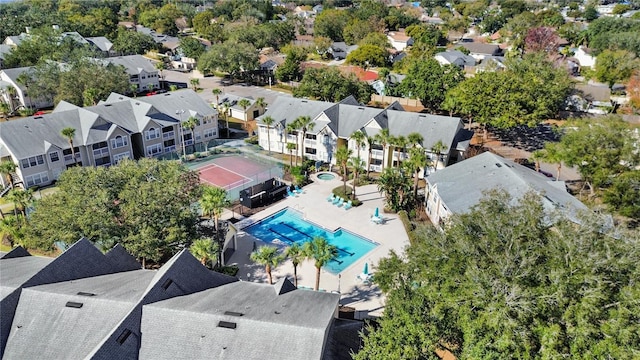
230	172
221	177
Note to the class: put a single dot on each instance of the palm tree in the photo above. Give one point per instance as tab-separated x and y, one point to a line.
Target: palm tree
296	254
4	109
400	143
321	252
343	153
69	133
417	161
21	200
160	65
415	139
384	138
261	103
291	147
268	120
204	250
294	126
212	203
26	80
172	87
11	94
269	257
134	89
217	92
225	110
191	124
244	104
370	140
439	147
356	164
194	82
7	168
360	138
12	230
306	125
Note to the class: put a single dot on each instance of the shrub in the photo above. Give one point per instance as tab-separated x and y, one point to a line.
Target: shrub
346	195
408	226
253	140
231	270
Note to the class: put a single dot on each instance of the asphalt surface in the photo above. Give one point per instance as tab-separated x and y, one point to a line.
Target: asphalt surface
208	83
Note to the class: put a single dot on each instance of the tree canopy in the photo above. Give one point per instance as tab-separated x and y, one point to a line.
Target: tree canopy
229	57
506	285
144	205
429	81
328	84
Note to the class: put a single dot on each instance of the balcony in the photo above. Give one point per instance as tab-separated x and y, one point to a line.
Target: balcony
377	154
170	148
68	158
169	135
403	156
375	168
98	153
310	142
188	142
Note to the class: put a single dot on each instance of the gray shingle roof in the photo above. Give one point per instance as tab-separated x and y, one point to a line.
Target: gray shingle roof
16	252
188	326
233	100
134	64
14	73
288	109
168	103
122	259
462	185
480	48
101	43
458	58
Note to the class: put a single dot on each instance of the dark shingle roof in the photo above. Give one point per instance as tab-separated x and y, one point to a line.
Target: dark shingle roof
16	252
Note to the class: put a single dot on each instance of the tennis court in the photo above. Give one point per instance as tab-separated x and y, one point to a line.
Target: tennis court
235	172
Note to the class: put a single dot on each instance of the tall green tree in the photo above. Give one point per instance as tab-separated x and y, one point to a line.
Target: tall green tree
7	168
396	187
328	84
70	133
428	81
269	257
343	153
145	205
417	162
359	138
230	57
357	167
615	65
306	124
509	286
269	121
296	254
212	202
294	127
133	42
244	104
330	23
191	47
204	250
384	138
321	252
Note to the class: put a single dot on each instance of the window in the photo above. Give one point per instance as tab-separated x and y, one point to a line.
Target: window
118	142
209	133
32	161
151	134
154	149
168	133
37	179
103	161
67	154
119	157
310	136
310	151
54	156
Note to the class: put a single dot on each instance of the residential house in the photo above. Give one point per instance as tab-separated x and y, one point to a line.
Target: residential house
399	39
15	40
457	188
340	50
491	63
235	109
479	50
116	129
336	122
21	99
183	309
593	99
103	45
21	272
584	57
142	73
457	58
4	51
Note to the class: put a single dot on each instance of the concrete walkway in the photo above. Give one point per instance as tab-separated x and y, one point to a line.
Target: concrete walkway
365	298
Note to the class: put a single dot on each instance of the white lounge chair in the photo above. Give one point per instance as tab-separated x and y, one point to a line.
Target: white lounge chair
377	219
348	205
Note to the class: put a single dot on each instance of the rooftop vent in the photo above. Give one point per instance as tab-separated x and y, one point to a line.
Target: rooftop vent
38	117
227	325
167	283
123	337
498	165
137	103
107	105
424	116
233	313
75	305
82	293
304	101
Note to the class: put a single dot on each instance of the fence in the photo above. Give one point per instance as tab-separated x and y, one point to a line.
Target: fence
391	99
233	189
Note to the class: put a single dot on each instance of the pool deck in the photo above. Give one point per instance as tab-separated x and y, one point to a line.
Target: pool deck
365	298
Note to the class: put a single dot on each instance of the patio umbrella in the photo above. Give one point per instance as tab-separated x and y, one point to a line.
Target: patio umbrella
366	269
376	213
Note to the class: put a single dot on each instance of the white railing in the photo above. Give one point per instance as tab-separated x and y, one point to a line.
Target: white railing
188	142
309	142
69	157
170	148
101	152
169	135
376	168
403	156
377	153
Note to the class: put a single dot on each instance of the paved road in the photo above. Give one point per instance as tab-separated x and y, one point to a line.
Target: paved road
208	83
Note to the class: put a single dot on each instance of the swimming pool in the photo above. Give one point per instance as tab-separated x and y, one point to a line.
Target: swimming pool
288	226
326	176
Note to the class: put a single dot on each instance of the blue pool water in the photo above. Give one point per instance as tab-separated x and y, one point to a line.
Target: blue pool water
287	226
